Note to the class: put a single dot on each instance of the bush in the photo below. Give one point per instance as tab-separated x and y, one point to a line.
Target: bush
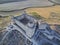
36	15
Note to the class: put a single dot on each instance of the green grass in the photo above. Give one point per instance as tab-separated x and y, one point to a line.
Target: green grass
37	16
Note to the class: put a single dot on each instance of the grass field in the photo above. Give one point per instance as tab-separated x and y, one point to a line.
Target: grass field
4	22
44	12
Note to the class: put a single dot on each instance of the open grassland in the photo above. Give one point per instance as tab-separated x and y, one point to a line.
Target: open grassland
43	12
4	22
47	13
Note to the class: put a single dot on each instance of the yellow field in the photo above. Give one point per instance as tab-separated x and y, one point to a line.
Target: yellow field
44	12
4	22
